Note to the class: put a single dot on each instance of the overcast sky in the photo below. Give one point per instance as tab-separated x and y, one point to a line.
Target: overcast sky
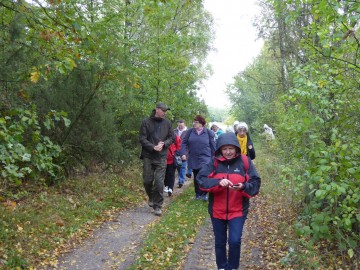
236	45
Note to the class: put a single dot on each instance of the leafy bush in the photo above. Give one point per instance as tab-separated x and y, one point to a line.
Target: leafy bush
320	134
25	153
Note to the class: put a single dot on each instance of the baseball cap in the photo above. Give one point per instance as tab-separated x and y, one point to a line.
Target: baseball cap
162	106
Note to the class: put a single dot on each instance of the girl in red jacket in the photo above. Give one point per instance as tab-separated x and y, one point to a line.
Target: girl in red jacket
169	180
231	179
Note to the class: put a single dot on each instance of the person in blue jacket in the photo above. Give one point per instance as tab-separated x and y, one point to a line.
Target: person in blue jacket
218	131
231	180
198	148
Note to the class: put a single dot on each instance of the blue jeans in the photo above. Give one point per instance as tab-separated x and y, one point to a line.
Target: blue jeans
220	227
182	172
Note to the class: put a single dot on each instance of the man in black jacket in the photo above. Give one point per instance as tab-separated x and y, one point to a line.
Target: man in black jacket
156	135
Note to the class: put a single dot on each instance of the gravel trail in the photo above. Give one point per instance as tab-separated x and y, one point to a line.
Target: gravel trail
115	244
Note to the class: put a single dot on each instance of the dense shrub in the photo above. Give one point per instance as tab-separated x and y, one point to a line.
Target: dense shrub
25	153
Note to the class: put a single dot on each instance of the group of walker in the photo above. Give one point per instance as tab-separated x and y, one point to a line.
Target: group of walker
222	168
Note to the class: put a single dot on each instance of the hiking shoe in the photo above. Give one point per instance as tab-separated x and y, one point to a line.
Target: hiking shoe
197	197
166	189
188	175
170	192
180	185
157	211
204	198
150	203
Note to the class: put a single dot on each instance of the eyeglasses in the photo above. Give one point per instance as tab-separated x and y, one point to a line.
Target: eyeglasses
196	122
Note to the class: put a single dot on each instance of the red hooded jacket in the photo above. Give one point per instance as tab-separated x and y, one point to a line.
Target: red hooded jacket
225	203
172	150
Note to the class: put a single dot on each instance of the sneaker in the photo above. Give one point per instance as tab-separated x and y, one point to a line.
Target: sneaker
180	185
198	197
188	175
170	192
166	189
204	198
157	211
150	203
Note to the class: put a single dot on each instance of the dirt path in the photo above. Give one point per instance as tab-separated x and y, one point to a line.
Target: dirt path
202	255
115	244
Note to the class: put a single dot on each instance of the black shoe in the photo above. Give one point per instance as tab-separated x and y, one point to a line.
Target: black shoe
188	175
180	185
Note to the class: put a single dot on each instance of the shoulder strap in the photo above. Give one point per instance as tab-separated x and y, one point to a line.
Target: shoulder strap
245	162
187	134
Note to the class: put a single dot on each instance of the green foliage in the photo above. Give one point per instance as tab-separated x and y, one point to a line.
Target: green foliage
25	153
218	114
324	133
255	91
106	63
306	83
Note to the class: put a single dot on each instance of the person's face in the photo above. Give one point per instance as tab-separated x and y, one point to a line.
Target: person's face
160	113
242	132
228	151
181	126
215	128
197	124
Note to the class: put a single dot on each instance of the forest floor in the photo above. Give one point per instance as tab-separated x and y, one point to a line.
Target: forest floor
115	244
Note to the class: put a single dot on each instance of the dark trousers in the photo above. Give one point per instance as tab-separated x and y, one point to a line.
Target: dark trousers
235	227
153	177
170	176
196	185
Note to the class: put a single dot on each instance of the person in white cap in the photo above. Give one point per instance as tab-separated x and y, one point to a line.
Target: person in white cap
246	145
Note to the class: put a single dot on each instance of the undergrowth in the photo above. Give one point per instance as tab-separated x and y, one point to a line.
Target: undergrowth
278	209
34	230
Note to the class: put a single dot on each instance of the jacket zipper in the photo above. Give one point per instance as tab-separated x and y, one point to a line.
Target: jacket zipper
227	194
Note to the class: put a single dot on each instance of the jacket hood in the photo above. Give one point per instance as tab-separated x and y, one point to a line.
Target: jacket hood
227	139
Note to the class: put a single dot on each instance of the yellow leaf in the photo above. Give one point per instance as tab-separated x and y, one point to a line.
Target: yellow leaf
71	62
35	76
321	83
